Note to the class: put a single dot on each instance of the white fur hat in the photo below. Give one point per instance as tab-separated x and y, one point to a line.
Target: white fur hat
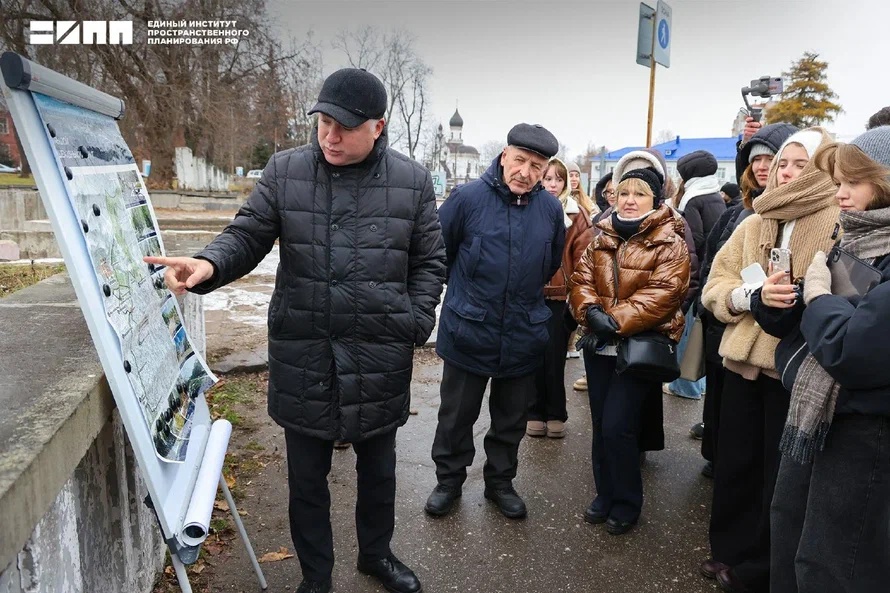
637	159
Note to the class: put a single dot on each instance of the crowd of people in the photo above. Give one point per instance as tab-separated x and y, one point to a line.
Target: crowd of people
787	272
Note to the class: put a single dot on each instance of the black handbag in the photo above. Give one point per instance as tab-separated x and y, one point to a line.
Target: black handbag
648	355
851	277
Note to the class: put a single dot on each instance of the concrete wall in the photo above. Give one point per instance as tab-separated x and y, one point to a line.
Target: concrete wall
24	220
72	517
172	200
196	173
18	205
97	534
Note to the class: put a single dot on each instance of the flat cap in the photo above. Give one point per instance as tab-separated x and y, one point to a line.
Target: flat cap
533	137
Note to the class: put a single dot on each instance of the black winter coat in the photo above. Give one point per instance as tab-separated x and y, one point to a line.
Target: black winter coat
846	339
841	334
361	272
702	213
785	325
501	252
717	238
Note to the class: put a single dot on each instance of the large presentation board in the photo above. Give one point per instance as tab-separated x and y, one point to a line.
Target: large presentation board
104	224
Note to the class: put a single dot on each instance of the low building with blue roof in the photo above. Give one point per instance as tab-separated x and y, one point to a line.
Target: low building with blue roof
723	149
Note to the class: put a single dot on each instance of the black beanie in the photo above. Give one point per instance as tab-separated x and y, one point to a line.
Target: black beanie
700	163
731	190
650	177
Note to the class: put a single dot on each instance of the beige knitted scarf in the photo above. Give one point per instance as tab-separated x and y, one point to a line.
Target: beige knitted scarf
809	200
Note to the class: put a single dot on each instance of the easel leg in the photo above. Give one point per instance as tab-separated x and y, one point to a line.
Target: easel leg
181	574
242	532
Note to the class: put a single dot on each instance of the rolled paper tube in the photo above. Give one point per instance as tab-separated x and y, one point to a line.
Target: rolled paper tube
196	525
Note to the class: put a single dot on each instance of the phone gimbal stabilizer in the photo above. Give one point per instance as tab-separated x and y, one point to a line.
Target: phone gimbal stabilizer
764	88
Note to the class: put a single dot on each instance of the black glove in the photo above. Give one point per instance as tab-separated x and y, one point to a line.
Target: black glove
585	341
601	324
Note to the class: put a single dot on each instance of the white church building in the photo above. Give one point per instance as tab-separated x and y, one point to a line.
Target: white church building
460	161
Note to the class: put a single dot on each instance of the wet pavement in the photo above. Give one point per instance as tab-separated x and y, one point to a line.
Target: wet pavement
475	549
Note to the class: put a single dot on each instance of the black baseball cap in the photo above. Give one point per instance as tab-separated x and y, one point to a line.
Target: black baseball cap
351	96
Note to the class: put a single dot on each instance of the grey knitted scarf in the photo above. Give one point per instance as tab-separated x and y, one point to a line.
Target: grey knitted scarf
814	395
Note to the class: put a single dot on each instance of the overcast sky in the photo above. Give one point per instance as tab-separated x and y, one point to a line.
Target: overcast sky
570	65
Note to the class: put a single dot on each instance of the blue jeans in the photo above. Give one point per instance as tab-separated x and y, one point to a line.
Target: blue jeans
682	387
830	520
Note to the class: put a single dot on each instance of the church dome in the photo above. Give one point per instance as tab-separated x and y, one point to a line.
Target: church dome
456	120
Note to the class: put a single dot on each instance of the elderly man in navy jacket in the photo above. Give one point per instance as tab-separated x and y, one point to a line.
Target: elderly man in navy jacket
504	236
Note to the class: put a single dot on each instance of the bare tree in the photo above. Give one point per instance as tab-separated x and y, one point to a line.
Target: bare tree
304	80
412	106
205	97
665	136
585	159
363	47
491	149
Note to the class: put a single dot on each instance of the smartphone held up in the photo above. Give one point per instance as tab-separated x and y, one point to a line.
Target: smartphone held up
780	261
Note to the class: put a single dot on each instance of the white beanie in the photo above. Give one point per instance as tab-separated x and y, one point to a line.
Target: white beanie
809	139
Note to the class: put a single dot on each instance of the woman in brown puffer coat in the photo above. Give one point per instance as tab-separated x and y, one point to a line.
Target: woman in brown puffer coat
633	278
547	411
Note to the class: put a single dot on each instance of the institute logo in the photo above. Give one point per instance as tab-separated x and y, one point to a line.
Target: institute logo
81	33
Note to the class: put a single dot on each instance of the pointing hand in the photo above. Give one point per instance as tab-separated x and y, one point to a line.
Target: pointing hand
183	272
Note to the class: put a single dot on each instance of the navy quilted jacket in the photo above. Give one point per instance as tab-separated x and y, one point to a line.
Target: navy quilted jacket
502	249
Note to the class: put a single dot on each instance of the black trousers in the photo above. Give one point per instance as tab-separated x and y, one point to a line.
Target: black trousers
616	404
752	417
715	376
461	401
308	464
831	518
549	401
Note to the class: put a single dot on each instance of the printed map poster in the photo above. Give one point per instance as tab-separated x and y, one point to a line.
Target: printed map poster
111	202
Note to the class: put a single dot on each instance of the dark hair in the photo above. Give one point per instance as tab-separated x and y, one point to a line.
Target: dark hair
881	118
601	201
851	162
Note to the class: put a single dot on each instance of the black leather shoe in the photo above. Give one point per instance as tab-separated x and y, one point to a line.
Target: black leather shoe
314	586
710	568
441	500
708	470
729	582
392	574
616	527
509	503
595	516
697	431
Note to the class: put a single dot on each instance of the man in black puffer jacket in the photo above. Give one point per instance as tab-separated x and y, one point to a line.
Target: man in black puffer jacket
361	272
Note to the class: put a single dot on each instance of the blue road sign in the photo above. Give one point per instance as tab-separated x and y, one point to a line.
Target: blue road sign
663	34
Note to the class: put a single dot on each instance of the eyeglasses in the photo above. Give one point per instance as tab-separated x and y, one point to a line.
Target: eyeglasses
608	194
